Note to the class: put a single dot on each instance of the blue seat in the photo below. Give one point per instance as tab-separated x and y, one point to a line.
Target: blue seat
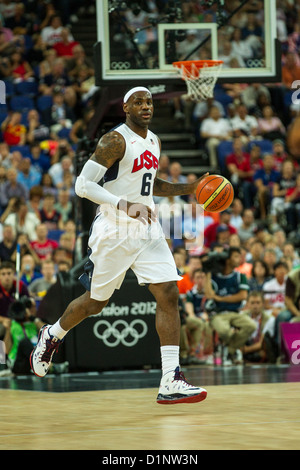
24	149
28	88
21	103
9	88
224	148
223	98
265	145
55	234
44	102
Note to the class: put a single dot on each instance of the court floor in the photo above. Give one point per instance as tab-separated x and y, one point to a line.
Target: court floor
247	408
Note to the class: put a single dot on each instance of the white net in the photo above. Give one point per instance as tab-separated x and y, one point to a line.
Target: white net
200	81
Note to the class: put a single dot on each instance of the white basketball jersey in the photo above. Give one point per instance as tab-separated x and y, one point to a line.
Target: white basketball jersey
132	178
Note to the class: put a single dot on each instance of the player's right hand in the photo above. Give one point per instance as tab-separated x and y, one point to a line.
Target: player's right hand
138	211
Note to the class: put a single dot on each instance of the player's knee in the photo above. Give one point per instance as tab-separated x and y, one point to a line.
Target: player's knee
93	306
171	293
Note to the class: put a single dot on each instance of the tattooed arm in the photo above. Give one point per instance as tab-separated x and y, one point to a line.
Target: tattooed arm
110	148
165	188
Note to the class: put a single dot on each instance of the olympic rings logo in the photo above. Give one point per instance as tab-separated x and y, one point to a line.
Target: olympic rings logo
120	332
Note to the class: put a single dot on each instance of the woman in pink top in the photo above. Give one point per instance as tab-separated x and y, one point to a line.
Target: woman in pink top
270	126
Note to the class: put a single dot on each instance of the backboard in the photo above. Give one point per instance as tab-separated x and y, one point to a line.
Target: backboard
139	41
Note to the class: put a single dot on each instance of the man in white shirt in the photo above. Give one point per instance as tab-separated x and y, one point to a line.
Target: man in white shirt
52	34
244	125
214	129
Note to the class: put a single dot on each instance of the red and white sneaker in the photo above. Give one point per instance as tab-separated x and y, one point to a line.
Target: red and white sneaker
175	389
41	356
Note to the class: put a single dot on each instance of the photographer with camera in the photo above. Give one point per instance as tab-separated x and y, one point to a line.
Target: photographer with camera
226	289
22	327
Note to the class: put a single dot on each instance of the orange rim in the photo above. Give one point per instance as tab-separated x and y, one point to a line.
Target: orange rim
198	63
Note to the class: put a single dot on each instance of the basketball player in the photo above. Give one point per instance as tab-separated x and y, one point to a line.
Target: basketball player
125	234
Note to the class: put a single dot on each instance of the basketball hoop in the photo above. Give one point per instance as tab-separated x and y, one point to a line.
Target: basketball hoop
200	77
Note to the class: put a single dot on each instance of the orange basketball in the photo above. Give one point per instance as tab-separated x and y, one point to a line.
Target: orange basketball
214	193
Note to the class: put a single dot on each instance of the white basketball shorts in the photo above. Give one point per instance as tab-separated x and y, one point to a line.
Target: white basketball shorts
112	251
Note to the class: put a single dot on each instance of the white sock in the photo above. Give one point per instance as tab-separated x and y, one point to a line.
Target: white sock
169	358
57	331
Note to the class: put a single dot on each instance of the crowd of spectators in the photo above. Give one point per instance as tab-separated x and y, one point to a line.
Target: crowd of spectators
50	87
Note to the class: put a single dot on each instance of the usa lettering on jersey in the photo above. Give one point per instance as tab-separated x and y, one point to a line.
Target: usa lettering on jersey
145	160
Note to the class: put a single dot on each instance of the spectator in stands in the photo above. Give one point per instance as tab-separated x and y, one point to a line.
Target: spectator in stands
56	80
239	167
14	133
251	97
8	287
64	205
60	255
256	249
270	126
59	116
8	34
237	208
45	67
49	216
228	54
20	68
38	159
279	153
64	47
247	229
43	246
58	170
256	158
264	180
290	70
257	347
20	23
25	248
37	131
274	289
39	287
51	34
18	216
8	244
3	197
34	200
244	125
229	289
197	319
259	276
5	155
222	236
187	282
176	175
270	258
28	271
292	302
289	252
240	47
28	175
78	60
47	185
12	189
281	192
80	127
214	130
210	233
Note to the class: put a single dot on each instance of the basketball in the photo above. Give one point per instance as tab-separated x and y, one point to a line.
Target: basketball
214	193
